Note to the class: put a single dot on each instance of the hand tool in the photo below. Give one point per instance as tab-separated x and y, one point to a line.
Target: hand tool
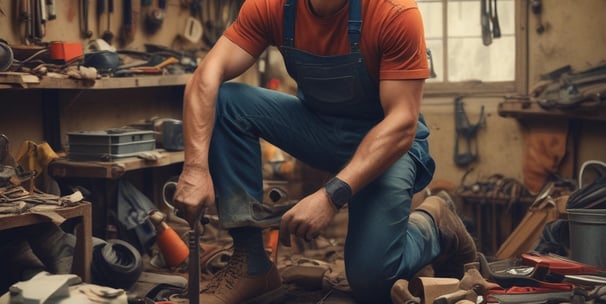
560	265
532	280
193	27
537	6
156	69
38	21
100	8
128	28
432	71
467	131
86	32
51	9
155	17
485	22
494	18
108	36
25	17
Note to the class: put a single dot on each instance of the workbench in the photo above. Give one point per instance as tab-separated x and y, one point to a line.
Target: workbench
101	178
82	213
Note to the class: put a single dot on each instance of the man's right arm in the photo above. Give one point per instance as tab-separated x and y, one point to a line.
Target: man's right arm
224	61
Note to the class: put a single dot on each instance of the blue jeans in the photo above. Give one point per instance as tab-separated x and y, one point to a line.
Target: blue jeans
382	245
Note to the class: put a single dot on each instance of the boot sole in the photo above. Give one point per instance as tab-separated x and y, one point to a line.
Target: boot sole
275	296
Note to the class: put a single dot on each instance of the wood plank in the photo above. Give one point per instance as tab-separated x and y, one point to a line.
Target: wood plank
524	109
111	170
18	79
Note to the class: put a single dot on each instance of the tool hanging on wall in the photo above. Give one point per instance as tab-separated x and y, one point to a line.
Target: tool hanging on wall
485	22
494	18
130	18
108	36
155	17
216	16
467	132
537	8
85	30
193	26
432	71
51	9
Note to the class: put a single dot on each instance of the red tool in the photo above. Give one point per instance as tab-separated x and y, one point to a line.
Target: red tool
560	265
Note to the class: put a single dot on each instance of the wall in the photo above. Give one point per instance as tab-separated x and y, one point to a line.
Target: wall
21	111
574	34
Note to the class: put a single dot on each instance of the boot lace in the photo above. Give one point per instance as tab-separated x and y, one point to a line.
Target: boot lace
227	277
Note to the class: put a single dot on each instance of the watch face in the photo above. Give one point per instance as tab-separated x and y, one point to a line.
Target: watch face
341	196
339	192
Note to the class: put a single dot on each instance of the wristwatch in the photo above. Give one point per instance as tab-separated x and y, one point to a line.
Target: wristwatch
338	191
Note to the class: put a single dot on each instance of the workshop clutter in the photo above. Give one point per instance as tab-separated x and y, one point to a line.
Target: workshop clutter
108	35
6	56
108	145
116	263
173	248
586	209
571	90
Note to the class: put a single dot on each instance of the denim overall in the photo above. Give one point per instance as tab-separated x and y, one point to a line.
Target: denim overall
337	103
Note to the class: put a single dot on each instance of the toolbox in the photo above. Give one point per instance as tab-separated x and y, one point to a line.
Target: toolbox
108	145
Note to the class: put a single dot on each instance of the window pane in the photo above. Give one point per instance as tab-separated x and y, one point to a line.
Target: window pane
457	50
432	13
469	59
432	19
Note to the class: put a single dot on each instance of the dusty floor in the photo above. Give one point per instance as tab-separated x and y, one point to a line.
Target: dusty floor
321	261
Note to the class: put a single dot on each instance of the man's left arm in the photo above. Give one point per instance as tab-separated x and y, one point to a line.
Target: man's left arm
391	138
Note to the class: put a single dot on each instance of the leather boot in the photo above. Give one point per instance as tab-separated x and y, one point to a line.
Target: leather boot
457	246
233	285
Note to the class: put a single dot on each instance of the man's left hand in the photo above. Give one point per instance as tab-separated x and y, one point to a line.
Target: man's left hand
308	217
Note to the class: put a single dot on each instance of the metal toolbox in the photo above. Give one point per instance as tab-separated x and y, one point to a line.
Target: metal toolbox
109	144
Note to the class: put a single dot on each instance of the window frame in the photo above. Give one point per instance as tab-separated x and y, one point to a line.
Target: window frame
518	86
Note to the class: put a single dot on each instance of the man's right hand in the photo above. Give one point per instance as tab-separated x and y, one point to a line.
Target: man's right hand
195	193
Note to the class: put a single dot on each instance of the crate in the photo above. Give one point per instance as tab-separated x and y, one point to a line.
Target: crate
110	144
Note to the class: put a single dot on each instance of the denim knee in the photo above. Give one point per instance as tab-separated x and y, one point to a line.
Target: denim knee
371	279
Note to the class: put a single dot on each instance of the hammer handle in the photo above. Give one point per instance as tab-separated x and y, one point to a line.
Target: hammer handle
193	284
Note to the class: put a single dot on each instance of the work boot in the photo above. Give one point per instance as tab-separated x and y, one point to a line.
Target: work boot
233	285
456	244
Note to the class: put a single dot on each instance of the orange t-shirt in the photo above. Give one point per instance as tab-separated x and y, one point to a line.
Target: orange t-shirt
392	39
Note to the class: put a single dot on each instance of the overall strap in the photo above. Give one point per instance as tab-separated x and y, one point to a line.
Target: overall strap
290	10
354	25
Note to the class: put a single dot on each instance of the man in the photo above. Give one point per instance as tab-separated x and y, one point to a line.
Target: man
360	67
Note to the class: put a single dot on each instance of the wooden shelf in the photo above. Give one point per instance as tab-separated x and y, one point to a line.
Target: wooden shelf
111	170
84	242
524	109
27	81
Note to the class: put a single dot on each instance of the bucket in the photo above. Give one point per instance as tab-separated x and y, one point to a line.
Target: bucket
588	236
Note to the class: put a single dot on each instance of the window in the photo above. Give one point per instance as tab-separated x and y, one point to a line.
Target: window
463	58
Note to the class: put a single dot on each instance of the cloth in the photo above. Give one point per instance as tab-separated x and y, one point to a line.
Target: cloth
133	210
393	48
